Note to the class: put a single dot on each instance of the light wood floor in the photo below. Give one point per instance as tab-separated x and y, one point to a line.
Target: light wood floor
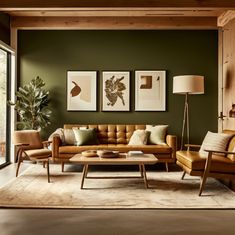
124	222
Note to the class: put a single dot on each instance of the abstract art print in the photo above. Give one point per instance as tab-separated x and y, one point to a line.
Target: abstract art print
150	90
81	90
116	91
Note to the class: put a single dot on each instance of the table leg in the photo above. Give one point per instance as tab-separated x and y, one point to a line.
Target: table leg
85	167
86	173
145	177
141	171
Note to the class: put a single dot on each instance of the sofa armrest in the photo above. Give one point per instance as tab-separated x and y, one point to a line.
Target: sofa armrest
171	140
56	142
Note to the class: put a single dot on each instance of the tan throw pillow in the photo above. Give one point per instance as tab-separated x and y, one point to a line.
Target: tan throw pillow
214	141
139	137
157	134
69	137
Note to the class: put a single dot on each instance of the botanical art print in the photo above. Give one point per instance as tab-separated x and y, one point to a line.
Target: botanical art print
150	90
116	91
81	90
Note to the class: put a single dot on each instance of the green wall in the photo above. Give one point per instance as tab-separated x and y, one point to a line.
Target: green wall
50	54
4	28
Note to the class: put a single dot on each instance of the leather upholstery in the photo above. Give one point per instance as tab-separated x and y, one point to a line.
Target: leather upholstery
30	137
114	137
192	161
111	134
231	147
30	147
38	153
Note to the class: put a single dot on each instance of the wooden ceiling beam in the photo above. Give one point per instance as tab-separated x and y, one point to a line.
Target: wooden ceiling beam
116	3
225	17
114	23
117	12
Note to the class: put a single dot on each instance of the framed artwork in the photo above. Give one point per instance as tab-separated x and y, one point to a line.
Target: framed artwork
115	91
150	90
81	91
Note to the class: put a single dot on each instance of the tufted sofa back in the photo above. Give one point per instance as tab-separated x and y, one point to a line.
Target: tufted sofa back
111	133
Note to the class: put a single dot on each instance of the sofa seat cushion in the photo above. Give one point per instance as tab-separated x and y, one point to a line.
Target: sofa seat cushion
77	149
194	161
145	148
161	149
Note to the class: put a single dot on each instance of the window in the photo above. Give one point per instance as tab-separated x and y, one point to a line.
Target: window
6	57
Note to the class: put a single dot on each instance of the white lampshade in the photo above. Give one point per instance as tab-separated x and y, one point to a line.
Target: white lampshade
190	84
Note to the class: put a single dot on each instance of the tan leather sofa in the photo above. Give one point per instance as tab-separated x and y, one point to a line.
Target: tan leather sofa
114	137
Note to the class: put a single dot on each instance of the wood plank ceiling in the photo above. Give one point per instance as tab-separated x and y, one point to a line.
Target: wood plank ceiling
119	14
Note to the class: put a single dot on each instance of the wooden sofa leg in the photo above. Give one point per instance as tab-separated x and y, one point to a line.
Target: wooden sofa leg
167	168
48	171
62	166
182	177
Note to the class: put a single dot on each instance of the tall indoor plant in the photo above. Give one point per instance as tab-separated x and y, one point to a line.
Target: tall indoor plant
31	105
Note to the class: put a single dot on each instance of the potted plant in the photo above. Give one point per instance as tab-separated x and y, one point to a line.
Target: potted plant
31	105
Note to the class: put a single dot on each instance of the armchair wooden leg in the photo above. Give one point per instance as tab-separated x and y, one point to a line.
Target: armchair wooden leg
19	162
44	164
167	168
205	173
48	171
18	167
182	177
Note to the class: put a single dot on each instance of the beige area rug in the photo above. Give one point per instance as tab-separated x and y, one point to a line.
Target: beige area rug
31	190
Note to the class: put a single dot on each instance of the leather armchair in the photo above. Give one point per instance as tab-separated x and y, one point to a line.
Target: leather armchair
214	165
29	146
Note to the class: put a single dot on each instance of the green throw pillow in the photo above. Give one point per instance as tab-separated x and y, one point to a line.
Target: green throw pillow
85	137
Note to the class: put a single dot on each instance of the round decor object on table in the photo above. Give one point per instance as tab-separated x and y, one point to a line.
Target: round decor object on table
107	153
89	153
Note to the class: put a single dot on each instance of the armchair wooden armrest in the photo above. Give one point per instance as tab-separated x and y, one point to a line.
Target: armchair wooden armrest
192	146
46	143
21	144
214	151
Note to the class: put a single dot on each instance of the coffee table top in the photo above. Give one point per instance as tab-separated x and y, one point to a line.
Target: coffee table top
123	159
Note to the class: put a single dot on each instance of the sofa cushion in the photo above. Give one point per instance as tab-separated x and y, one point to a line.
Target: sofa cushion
139	137
85	136
191	159
38	153
157	134
161	149
214	141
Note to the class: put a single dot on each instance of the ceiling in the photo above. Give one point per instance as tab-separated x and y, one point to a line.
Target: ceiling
206	11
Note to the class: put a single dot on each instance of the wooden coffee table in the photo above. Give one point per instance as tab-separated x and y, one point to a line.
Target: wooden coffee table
141	160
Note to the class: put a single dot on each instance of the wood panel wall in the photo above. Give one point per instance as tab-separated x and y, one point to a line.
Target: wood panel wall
228	69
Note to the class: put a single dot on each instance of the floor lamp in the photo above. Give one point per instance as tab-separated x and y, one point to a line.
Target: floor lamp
187	85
